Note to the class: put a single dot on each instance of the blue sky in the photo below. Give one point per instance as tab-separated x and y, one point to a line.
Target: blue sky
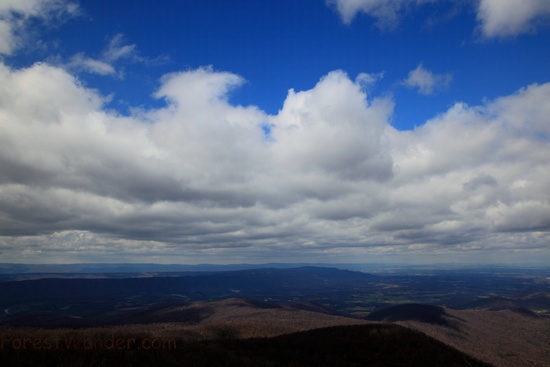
278	45
399	131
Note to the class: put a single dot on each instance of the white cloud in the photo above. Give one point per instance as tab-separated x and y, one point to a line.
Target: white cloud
307	126
106	64
198	179
93	66
6	42
386	12
497	18
427	82
14	13
117	49
501	18
367	81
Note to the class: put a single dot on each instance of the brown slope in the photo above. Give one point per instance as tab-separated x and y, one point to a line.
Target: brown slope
359	345
503	338
232	318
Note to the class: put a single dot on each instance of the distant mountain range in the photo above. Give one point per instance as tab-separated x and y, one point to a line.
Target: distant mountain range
90	268
103	268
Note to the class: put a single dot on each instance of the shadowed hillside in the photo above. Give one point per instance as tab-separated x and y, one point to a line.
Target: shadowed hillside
368	345
503	338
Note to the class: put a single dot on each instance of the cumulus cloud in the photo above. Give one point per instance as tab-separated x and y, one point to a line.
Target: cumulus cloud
310	121
427	82
197	180
502	18
15	13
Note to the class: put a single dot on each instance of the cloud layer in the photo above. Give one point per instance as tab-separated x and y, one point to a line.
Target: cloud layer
201	178
325	179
